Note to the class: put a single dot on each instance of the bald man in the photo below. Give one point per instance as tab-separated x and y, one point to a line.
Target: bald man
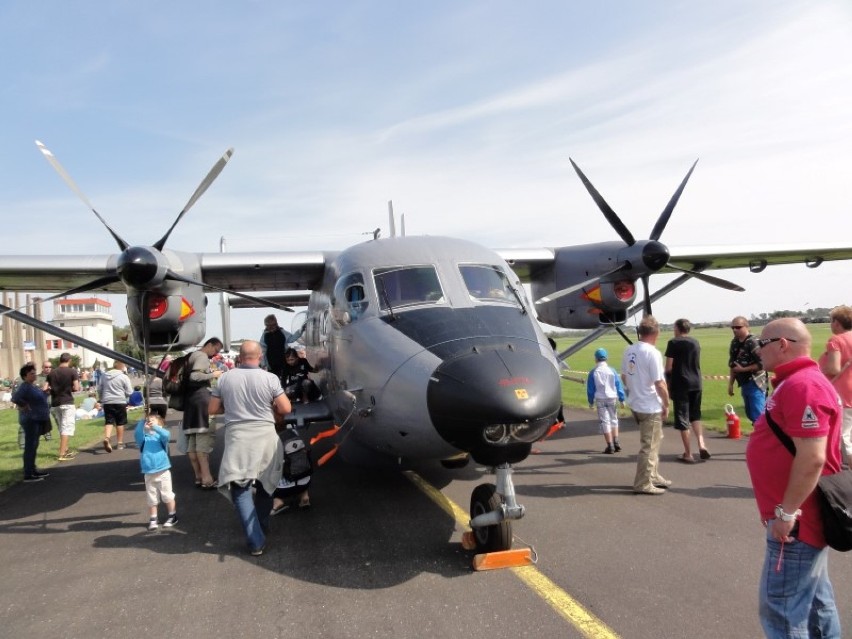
796	597
250	400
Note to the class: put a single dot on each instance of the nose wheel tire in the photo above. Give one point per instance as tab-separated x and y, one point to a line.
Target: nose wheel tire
484	499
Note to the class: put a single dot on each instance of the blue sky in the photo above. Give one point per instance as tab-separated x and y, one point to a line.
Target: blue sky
463	113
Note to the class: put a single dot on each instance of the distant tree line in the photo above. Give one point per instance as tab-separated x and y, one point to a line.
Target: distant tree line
810	316
817	315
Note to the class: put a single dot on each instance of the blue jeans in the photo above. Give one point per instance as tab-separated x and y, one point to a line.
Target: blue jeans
32	432
253	511
754	398
796	597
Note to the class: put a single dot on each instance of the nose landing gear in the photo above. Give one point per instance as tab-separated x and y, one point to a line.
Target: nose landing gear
492	510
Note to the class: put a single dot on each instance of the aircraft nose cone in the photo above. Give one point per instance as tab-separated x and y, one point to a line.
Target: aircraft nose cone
655	255
137	267
494	402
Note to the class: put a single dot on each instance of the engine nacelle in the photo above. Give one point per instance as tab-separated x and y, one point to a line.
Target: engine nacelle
603	302
174	320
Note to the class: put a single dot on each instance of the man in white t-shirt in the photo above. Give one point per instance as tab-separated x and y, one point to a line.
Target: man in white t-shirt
643	375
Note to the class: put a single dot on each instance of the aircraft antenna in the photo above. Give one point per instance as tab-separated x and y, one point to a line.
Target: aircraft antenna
392	224
402	225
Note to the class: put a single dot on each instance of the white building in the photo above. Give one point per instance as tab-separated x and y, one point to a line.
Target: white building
91	319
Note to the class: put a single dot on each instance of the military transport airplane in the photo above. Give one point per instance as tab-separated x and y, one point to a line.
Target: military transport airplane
426	347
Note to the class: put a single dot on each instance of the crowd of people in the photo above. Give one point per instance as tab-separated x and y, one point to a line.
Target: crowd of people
807	401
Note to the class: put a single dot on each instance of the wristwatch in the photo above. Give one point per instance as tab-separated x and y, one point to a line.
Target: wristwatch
780	514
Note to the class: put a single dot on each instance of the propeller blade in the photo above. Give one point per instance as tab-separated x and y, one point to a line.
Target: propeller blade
146	331
576	287
88	286
610	215
50	329
171	275
622	333
709	279
660	226
103	281
205	184
647	290
64	175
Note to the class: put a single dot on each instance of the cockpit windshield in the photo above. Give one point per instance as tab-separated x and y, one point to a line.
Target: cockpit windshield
487	282
400	286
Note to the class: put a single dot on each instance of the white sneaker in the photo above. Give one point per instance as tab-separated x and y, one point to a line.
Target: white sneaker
153	525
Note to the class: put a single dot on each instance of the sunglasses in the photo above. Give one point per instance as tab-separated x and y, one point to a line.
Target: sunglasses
768	340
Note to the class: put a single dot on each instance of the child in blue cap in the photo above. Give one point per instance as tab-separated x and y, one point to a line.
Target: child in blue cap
603	388
153	442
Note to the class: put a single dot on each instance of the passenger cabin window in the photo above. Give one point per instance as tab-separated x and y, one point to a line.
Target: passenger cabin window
349	297
402	286
486	283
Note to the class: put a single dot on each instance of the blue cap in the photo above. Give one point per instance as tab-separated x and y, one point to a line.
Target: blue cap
600	354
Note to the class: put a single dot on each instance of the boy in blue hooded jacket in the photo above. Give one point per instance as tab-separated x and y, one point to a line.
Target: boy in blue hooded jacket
603	388
153	443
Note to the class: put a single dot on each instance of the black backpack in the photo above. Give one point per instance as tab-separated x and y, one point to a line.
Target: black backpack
297	457
174	380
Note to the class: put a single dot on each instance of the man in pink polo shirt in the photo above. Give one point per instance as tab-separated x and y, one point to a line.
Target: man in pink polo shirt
796	597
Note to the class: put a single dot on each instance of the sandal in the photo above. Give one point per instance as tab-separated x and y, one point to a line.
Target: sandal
305	504
279	509
686	460
212	486
198	483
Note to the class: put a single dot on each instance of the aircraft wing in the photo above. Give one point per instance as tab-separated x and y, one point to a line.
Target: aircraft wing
755	258
55	272
525	262
265	271
258	271
291	298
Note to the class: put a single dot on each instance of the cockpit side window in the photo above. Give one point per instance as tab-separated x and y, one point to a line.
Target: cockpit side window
402	286
487	283
350	297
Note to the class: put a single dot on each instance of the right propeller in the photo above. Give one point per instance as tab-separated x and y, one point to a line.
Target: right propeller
642	258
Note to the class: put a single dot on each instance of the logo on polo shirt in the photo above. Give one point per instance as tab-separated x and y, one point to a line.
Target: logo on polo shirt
809	418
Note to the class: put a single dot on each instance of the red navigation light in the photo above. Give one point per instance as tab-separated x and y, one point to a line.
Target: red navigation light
157	306
624	290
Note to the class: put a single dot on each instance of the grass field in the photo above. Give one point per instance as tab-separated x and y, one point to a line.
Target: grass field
87	433
714	362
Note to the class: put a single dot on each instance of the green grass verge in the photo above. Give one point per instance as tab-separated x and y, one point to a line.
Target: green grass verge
714	361
88	432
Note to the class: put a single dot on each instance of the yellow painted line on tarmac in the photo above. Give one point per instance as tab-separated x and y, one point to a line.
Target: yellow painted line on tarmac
558	599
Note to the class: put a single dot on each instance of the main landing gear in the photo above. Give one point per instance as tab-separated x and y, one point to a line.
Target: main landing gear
492	509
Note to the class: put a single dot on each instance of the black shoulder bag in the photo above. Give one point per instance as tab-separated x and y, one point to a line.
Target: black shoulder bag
834	493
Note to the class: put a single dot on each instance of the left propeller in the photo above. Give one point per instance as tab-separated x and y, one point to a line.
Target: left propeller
145	268
640	259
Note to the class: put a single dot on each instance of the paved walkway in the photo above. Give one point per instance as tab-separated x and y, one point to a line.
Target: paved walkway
374	557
